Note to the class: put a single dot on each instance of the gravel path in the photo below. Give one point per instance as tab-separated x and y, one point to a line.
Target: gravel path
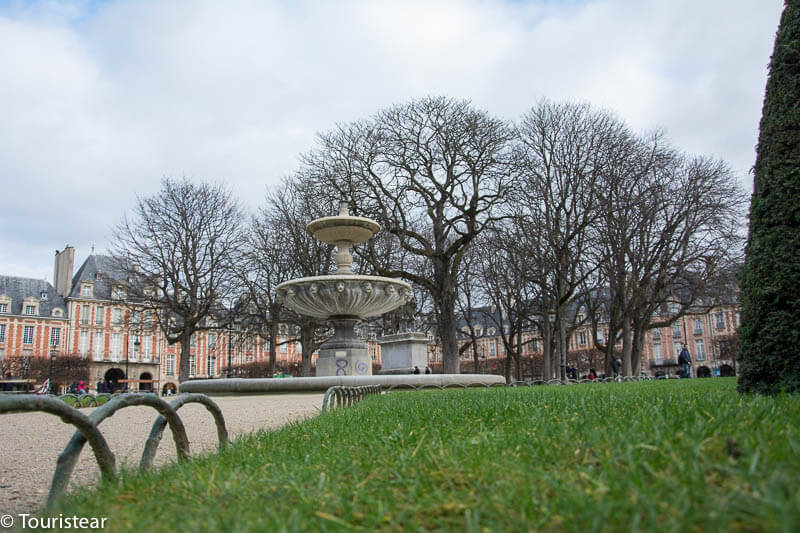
31	442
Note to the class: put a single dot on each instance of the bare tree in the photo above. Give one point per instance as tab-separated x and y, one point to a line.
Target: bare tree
671	229
564	152
434	173
289	209
176	251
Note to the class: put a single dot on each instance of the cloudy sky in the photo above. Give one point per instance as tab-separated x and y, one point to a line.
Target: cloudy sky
100	100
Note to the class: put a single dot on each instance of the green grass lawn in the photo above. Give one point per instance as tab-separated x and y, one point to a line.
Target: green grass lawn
677	455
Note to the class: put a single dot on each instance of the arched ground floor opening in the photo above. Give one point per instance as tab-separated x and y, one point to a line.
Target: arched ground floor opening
169	389
145	387
726	371
703	372
112	377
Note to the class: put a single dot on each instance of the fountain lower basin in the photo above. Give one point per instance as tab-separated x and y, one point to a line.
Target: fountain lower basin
344	295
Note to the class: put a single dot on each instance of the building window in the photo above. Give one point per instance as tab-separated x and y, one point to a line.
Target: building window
582	338
2	333
116	346
212	341
192	340
30	309
83	342
98	316
656	334
98	346
720	320
4	308
676	330
86	290
211	367
492	349
284	345
600	336
116	317
55	336
170	364
191	366
698	326
147	348
133	348
84	314
27	335
699	350
658	354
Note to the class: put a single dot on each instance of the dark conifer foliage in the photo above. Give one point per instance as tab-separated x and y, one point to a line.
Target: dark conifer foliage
770	280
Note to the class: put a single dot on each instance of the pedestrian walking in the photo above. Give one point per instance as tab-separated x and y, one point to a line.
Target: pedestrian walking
685	360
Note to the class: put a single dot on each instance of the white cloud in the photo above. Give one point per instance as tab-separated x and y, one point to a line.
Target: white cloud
102	99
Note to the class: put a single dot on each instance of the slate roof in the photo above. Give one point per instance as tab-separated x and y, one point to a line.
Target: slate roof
101	270
20	288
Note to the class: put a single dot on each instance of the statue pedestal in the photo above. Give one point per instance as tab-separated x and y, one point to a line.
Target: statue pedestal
401	352
344	354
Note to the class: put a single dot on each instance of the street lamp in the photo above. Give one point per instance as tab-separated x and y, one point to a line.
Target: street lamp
53	354
230	345
128	357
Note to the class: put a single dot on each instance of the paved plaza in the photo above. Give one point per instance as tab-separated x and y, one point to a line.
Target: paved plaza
31	442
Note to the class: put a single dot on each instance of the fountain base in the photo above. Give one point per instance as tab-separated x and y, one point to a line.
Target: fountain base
344	354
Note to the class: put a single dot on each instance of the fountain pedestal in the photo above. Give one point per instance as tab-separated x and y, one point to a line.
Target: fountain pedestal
344	354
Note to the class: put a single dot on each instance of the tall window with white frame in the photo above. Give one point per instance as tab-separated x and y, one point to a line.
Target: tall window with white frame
211	366
30	310
116	346
170	365
83	342
698	326
658	354
27	335
3	308
84	314
98	347
55	337
720	318
699	350
2	333
191	366
146	348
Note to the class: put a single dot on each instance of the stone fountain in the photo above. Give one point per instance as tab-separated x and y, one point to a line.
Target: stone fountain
343	298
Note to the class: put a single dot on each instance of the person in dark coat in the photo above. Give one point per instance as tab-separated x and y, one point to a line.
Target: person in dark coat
615	365
416	370
685	360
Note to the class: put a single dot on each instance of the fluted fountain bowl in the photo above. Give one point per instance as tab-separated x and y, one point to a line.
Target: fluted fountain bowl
344	294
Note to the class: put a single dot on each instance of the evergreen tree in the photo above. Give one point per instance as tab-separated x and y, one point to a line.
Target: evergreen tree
770	279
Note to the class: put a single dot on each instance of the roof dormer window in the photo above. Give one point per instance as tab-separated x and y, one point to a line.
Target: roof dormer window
30	309
86	290
43	296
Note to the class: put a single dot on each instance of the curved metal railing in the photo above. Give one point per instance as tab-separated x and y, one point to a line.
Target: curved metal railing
87	429
345	396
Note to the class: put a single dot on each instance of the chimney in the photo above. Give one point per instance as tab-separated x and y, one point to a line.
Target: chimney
62	272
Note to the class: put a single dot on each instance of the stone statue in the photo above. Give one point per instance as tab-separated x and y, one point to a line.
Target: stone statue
402	319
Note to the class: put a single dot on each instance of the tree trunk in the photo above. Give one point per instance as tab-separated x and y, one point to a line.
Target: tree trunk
563	343
273	348
183	361
627	347
307	340
547	349
446	318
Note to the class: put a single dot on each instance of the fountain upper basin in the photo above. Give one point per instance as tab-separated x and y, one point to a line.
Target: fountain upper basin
344	294
336	229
